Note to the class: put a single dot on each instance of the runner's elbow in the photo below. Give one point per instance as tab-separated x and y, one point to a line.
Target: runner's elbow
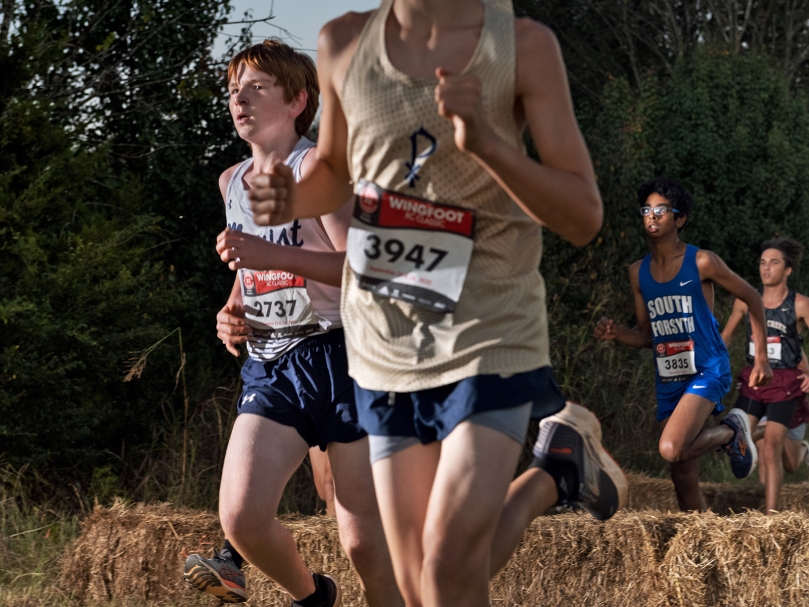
587	227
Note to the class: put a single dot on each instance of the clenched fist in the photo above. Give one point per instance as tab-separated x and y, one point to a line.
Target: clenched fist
272	195
459	99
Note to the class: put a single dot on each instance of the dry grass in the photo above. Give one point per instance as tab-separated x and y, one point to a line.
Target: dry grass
643	558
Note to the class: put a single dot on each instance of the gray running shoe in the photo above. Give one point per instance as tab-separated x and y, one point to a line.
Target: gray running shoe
328	587
572	437
741	449
218	576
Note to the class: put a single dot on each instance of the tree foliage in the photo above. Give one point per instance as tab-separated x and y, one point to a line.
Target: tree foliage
603	39
113	130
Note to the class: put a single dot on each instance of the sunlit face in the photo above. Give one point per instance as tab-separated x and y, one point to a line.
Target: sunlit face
664	224
772	268
258	108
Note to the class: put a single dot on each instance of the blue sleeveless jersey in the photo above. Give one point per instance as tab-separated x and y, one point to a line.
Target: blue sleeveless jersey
685	334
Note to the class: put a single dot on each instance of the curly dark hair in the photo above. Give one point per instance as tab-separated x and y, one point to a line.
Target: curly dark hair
792	250
676	195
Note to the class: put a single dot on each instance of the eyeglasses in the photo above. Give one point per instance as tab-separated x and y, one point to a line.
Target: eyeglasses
658	211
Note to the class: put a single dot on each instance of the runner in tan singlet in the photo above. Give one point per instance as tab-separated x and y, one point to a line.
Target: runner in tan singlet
424	105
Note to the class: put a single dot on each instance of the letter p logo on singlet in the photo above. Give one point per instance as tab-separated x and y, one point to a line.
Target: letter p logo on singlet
414	166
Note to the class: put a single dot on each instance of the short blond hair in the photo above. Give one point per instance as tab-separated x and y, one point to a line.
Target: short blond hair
293	71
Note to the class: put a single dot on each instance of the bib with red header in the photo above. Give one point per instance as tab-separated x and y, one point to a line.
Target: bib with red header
410	249
277	305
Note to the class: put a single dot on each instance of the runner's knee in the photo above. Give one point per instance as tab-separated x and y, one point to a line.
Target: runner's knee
362	551
671	452
241	525
772	448
456	560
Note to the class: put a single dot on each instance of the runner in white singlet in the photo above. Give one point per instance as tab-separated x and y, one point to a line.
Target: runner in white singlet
297	394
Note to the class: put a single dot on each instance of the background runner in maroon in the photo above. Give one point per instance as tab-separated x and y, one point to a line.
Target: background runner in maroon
787	313
785	385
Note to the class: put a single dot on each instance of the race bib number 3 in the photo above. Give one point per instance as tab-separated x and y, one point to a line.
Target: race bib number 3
675	360
773	348
410	249
277	305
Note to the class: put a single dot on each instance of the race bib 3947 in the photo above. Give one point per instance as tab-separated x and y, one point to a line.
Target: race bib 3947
410	249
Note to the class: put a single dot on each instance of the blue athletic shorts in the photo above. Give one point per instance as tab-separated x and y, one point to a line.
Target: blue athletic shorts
430	415
709	385
307	388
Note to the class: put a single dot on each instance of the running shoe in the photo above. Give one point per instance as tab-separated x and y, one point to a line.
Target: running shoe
740	449
572	437
328	588
218	576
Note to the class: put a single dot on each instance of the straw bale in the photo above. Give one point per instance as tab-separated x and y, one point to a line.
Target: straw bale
573	559
647	493
136	552
639	558
140	551
738	561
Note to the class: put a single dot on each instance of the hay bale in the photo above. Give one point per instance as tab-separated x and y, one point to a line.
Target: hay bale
572	559
642	558
140	551
647	493
749	559
136	552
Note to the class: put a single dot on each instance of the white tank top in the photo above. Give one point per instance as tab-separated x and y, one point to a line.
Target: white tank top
281	308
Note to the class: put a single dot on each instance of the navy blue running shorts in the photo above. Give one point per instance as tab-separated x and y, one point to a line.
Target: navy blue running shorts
430	415
307	388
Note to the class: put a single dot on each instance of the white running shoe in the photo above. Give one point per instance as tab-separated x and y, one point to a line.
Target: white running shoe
573	437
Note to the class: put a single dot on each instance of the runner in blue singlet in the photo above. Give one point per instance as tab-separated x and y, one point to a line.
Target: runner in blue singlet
690	356
674	293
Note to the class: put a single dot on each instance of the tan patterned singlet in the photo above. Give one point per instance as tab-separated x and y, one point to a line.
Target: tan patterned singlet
499	325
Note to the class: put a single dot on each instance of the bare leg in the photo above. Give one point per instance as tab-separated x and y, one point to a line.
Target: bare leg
403	483
476	466
771	464
757	429
684	436
794	454
685	476
361	532
324	482
683	439
760	448
260	459
530	495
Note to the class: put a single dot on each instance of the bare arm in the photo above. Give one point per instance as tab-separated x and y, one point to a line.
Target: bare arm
711	267
230	325
336	224
803	367
736	316
241	250
639	336
275	197
802	312
561	191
